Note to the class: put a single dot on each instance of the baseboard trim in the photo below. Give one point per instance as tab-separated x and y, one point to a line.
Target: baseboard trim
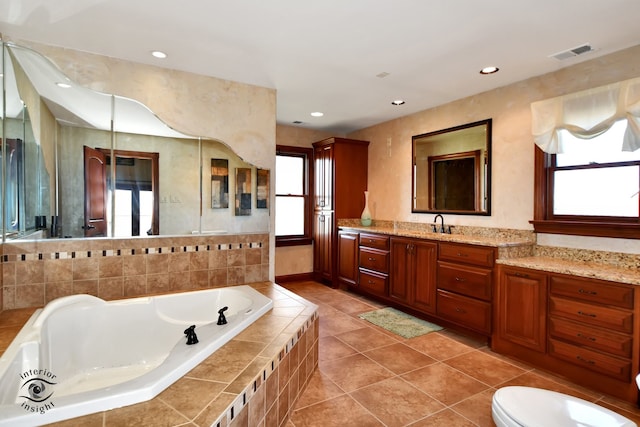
294	277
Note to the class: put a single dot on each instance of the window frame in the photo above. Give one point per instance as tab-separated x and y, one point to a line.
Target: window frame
307	185
546	222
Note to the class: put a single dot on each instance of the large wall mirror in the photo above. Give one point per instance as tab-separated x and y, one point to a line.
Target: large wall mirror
452	170
81	163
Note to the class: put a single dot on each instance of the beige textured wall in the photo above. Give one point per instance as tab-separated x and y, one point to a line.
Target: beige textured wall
296	259
513	148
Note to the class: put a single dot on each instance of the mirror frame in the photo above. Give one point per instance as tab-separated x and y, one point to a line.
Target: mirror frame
479	172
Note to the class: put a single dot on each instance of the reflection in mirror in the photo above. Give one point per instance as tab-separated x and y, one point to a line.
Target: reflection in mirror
148	178
452	170
27	153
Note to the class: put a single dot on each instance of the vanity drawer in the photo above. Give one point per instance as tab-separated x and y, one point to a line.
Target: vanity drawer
373	282
618	320
467	312
374	241
589	290
477	255
592	360
373	259
595	338
470	281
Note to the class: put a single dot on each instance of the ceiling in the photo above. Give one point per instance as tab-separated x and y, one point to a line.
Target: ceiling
346	58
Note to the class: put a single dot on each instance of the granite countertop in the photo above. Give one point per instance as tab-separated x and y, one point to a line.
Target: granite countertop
590	269
493	241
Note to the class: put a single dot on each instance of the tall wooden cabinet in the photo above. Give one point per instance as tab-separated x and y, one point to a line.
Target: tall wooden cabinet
339	185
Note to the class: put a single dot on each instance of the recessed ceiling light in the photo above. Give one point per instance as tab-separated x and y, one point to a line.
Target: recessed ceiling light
317	114
489	70
63	85
158	54
397	102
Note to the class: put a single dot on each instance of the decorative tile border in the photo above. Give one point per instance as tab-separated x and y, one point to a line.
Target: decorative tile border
128	252
245	396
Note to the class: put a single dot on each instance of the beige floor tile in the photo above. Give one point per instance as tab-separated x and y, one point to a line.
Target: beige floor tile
352	372
484	367
444	383
446	418
438	346
399	358
366	338
477	408
319	388
331	348
339	411
396	402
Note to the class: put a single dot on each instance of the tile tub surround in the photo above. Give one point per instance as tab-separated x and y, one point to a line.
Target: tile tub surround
36	272
254	380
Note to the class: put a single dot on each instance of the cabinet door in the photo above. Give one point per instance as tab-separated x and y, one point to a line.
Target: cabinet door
522	307
348	258
424	258
324	177
400	274
323	242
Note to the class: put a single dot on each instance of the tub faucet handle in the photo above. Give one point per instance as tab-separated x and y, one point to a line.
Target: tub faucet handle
190	332
221	319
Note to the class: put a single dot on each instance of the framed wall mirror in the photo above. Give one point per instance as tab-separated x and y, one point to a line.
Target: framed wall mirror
452	170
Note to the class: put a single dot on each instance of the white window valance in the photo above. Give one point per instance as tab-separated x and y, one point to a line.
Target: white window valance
587	114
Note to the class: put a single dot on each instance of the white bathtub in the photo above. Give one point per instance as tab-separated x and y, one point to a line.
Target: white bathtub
81	354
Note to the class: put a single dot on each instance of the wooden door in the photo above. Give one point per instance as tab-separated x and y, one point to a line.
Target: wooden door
400	276
424	256
522	307
324	177
348	258
323	244
95	193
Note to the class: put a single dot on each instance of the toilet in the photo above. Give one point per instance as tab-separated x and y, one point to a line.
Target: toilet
517	406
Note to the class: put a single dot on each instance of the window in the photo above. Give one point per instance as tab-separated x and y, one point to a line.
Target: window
293	201
587	162
591	188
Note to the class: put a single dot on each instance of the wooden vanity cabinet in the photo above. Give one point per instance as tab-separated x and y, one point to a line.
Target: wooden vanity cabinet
373	266
584	329
465	285
412	280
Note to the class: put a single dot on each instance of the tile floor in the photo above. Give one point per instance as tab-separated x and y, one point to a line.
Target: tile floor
367	376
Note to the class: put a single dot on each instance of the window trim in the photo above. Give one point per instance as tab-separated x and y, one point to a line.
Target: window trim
545	222
307	154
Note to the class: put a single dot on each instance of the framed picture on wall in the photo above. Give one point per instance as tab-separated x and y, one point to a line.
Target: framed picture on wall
243	191
262	189
219	183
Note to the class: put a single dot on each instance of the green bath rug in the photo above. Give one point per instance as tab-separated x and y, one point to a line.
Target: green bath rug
399	323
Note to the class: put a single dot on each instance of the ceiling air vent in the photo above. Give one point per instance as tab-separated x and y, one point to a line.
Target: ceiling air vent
570	53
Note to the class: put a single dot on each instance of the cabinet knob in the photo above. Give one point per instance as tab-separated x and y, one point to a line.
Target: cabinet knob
587	292
579	335
371	259
459	279
523	275
582	359
463	255
460	310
